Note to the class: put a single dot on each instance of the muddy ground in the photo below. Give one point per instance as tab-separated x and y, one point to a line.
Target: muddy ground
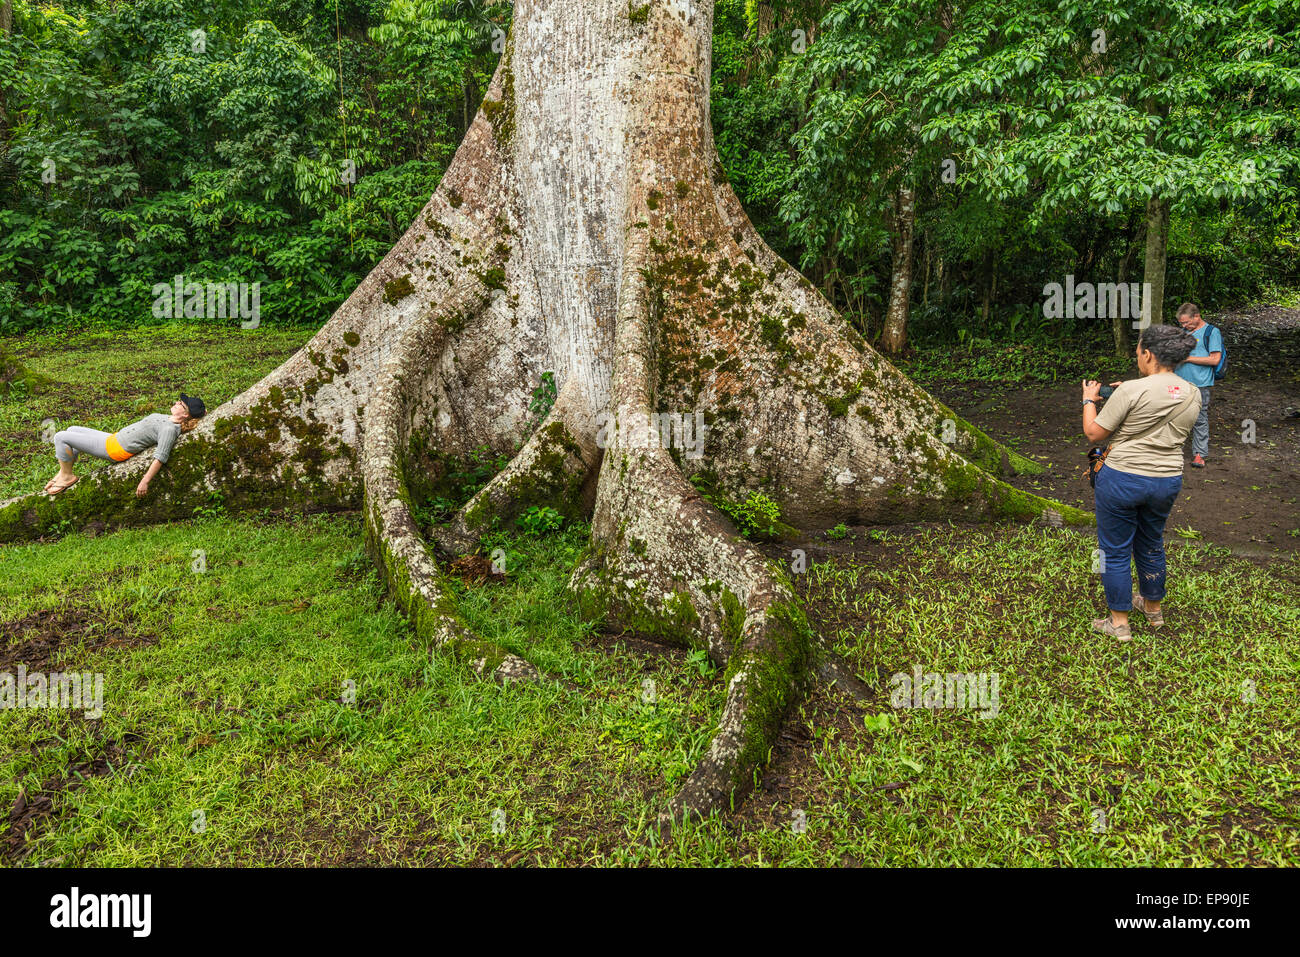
1247	498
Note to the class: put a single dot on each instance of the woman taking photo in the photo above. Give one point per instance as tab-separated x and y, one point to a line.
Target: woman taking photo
156	431
1146	420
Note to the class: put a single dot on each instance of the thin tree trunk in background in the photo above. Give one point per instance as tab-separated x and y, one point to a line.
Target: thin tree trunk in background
6	28
893	338
1119	325
925	285
1157	240
988	291
464	112
828	270
993	293
1157	256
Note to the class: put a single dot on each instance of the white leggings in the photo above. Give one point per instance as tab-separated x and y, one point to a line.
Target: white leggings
76	438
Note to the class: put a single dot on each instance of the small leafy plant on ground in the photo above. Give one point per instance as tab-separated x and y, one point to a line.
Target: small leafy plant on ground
540	520
543	399
756	517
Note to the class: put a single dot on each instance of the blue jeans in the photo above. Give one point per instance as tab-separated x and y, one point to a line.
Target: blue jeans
1131	514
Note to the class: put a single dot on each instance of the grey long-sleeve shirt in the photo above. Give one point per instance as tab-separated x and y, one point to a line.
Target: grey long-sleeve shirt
157	430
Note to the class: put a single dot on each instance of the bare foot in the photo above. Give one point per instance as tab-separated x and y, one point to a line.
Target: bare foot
56	486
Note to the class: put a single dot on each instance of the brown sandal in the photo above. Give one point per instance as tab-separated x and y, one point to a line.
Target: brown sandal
1108	627
1156	619
64	487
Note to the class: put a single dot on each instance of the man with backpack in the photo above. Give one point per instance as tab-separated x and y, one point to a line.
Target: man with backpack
1202	369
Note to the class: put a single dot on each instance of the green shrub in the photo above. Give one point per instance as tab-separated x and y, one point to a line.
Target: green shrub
756	517
541	520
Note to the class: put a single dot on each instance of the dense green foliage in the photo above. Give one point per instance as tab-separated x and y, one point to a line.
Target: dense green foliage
212	138
1052	135
147	139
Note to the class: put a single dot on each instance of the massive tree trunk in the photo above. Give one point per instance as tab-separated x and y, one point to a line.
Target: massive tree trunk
902	221
585	228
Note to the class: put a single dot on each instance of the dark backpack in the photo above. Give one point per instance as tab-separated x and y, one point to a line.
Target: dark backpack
1221	369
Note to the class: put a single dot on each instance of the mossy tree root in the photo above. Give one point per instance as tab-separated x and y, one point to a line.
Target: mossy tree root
556	467
665	562
392	535
270	457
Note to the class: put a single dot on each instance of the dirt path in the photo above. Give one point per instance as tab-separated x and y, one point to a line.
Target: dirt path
1248	496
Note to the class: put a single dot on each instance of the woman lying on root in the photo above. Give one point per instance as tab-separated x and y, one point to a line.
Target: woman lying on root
157	431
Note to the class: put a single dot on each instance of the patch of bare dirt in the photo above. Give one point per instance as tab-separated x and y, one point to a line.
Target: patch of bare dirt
43	640
1247	498
477	570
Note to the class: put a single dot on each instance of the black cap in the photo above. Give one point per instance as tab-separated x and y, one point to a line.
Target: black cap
197	409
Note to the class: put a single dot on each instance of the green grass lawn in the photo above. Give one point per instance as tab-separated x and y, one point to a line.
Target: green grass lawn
254	672
231	697
1178	748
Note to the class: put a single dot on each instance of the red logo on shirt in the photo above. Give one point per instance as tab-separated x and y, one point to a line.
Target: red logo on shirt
1175	390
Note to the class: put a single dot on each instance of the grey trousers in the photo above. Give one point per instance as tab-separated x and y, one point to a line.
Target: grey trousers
77	438
1201	428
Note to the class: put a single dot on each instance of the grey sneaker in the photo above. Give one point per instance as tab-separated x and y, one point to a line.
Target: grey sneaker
1156	619
1108	627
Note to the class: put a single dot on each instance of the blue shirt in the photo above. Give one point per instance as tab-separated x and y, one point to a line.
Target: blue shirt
1199	375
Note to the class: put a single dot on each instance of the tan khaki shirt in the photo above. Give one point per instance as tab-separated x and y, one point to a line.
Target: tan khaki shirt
1133	408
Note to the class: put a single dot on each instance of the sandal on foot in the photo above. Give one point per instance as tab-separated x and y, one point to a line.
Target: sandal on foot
1156	619
62	488
1108	627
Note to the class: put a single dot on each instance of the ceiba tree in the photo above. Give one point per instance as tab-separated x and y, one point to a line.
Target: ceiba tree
585	228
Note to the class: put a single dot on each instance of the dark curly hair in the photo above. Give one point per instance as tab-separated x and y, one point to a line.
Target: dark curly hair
1169	344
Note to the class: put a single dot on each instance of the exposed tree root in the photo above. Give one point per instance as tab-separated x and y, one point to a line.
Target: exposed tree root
396	422
803	300
665	562
556	467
